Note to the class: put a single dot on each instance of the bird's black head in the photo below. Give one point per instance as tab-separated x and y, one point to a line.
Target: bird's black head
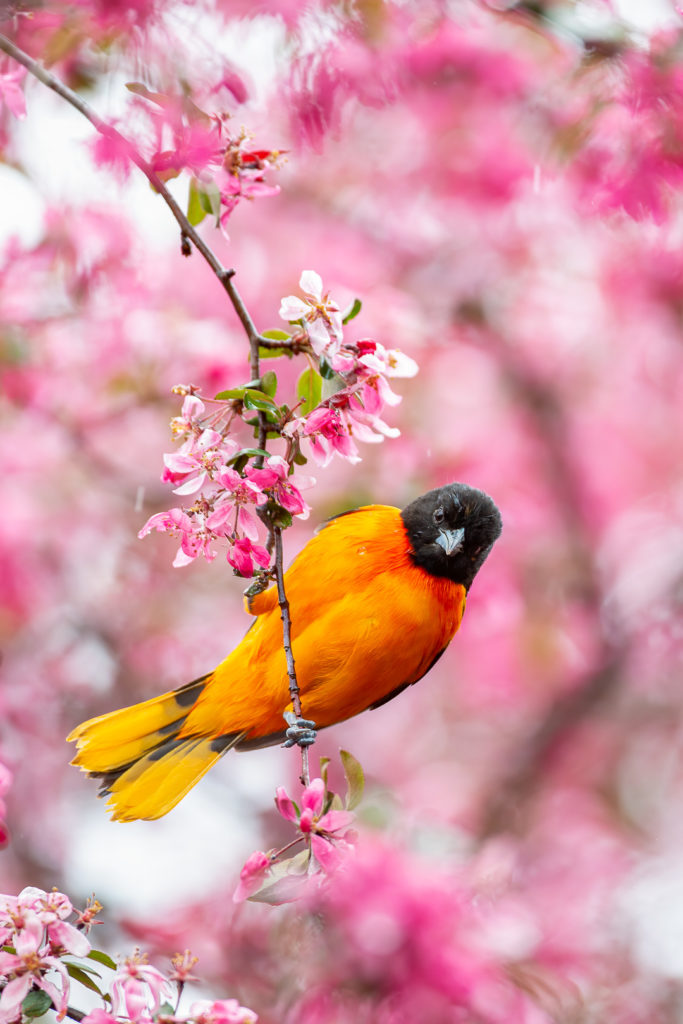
451	531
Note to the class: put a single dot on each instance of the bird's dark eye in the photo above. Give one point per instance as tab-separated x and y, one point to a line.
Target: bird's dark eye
439	516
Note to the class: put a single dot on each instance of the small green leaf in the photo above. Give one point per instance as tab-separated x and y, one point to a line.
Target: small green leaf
269	383
274	353
195	211
210	199
83	967
353	311
36	1003
248	452
166	1010
141	90
102	958
309	387
78	974
336	803
275	334
326	370
300	459
257	400
280	517
355	779
286	882
231	393
324	762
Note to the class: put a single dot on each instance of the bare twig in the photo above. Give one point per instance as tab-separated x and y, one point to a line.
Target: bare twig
287	644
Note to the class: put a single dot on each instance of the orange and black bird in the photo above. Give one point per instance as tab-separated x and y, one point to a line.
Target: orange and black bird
375	598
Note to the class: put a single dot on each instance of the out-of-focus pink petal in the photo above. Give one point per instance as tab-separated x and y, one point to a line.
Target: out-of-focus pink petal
251	876
333	821
285	805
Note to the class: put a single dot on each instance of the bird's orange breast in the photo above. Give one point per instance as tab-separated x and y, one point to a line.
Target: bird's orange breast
365	622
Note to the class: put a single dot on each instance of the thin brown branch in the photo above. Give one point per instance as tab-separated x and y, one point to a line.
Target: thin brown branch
294	691
225	276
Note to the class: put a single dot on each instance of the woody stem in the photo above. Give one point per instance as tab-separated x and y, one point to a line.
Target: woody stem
294	692
225	276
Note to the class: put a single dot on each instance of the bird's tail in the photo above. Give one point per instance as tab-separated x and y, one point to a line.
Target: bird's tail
145	762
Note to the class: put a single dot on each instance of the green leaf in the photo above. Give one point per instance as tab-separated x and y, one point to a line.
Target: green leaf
166	1010
102	958
78	974
280	516
141	90
324	762
274	353
336	803
257	400
231	393
210	199
309	387
275	334
300	459
326	370
248	452
353	311
269	383
286	882
36	1003
195	211
83	967
355	779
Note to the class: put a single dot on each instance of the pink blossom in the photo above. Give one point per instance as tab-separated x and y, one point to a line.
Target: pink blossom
390	362
321	314
221	1011
252	875
176	521
137	989
26	968
10	93
327	845
111	150
239	492
243	553
329	433
197	460
274	477
99	1016
246	184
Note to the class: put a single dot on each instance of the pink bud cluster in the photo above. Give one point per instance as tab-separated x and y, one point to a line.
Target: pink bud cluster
35	935
326	833
353	412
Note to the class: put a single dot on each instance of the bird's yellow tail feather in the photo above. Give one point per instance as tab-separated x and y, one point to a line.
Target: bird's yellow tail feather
144	765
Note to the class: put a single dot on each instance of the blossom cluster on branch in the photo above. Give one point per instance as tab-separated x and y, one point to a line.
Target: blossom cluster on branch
340	399
43	953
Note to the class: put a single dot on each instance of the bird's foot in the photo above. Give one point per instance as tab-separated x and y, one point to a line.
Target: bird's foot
301	731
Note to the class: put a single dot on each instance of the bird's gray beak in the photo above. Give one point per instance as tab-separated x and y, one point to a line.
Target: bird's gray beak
451	540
